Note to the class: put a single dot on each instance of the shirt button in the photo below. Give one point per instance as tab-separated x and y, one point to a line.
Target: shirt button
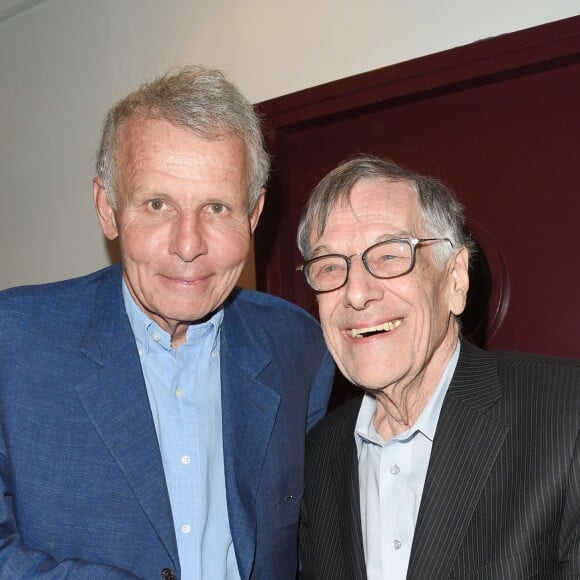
140	351
179	393
156	337
185	460
396	544
395	469
214	354
186	528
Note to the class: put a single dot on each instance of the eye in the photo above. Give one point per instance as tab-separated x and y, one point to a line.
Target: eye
391	251
387	257
327	267
156	204
217	208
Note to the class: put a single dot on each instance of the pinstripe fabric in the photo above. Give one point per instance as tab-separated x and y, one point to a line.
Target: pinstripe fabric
502	494
330	531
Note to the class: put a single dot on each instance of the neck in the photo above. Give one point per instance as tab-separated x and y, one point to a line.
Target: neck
178	333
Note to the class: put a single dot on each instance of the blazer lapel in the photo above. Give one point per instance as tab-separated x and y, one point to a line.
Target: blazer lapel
249	409
345	468
464	451
115	399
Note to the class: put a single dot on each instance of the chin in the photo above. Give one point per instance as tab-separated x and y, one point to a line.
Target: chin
365	377
361	381
370	386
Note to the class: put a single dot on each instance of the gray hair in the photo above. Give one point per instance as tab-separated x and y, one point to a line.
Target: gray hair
196	98
442	213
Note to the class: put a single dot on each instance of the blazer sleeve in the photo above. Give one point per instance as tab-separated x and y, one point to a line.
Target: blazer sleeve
20	561
320	391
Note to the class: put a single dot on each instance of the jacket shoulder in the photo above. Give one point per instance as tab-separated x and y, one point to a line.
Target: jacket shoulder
71	286
269	305
519	361
275	318
550	380
66	302
534	369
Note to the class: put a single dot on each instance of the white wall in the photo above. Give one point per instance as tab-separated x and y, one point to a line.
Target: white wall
64	62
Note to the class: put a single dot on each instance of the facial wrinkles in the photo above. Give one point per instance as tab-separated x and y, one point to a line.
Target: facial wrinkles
188	214
403	401
182	240
409	307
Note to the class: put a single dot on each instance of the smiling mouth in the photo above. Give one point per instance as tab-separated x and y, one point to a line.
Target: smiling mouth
372	330
185	281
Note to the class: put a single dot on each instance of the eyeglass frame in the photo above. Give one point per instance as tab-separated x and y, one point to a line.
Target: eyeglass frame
412	242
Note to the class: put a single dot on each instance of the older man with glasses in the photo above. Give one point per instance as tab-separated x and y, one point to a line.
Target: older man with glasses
455	462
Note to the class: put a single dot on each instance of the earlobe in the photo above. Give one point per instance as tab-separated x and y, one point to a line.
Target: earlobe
105	212
459	281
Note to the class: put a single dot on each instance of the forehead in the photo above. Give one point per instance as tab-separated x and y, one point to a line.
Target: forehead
383	206
158	149
147	138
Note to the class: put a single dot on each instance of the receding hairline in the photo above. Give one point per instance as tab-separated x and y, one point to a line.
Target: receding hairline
196	98
142	118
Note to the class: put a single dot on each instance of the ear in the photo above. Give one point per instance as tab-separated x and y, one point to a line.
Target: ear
105	212
257	212
458	280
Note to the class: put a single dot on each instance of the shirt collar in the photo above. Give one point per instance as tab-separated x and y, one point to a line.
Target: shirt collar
426	422
146	331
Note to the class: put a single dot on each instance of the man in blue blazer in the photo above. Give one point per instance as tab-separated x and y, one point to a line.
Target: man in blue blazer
153	415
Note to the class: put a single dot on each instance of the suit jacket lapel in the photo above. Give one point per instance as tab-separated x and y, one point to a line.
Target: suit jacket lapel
115	398
249	409
464	450
345	467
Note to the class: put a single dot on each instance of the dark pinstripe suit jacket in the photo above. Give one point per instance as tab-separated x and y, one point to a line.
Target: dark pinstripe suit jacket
502	494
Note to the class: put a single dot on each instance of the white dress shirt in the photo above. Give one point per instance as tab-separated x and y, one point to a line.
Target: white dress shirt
391	476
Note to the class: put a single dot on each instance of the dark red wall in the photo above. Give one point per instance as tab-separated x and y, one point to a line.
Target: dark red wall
499	122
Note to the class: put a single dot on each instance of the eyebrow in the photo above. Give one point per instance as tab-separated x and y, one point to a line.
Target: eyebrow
323	250
143	193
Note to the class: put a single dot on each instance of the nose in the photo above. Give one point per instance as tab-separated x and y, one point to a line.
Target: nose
188	239
361	288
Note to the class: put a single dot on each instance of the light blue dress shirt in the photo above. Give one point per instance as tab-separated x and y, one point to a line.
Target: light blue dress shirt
184	392
391	476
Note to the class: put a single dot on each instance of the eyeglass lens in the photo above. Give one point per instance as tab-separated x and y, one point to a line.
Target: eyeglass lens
384	260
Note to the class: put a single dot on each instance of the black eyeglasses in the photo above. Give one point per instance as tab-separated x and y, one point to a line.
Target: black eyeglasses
388	259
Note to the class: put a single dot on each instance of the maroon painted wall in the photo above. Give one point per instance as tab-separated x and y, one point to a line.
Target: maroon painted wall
499	122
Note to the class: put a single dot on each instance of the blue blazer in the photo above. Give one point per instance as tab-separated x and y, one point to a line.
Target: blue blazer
83	488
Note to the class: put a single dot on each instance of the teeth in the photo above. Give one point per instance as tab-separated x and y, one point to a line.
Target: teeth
386	327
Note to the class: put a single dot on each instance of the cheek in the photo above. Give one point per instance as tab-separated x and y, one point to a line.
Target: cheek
326	310
425	295
142	244
435	316
427	315
323	309
229	244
